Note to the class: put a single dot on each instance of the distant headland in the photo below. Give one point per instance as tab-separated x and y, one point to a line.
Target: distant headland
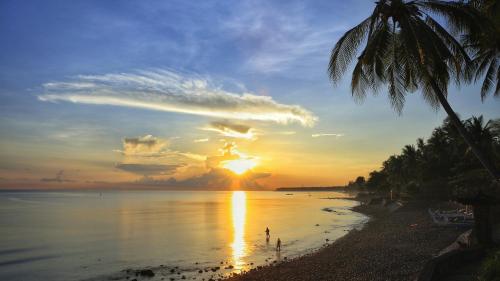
311	188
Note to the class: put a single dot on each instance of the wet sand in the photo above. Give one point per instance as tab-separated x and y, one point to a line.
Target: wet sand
392	246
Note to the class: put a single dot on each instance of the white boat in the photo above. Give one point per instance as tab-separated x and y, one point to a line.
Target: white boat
459	217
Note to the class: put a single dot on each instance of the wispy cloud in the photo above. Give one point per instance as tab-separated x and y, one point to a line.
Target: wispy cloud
232	130
286	133
174	92
193	156
201	140
281	38
327	135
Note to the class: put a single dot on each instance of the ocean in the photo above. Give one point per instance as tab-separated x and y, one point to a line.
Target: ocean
92	235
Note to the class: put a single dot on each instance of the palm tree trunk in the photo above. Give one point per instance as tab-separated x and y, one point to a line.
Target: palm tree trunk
482	222
464	133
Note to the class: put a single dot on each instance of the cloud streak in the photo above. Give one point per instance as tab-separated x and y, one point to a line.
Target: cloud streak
169	91
319	135
281	41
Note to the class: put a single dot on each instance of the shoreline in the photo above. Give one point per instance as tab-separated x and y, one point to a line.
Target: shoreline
224	268
390	246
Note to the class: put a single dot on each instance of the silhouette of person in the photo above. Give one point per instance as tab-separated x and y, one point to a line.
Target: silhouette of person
267	233
278	245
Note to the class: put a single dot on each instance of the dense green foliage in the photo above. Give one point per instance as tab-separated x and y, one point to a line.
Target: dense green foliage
441	166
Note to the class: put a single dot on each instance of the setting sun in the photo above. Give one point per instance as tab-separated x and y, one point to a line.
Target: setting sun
239	166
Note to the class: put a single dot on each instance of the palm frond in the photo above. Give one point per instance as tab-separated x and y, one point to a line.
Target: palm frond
460	16
489	78
345	49
460	56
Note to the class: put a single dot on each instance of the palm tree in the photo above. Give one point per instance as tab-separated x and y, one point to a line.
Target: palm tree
483	134
407	49
485	46
473	187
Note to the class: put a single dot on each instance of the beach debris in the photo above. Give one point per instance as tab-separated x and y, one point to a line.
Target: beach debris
317	224
172	270
146	273
200	271
229	266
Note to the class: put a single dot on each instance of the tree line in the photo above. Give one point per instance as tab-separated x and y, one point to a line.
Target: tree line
442	166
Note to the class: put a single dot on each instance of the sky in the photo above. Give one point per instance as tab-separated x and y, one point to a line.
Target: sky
193	95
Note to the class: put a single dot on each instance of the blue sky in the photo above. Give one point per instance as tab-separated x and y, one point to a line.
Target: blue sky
274	50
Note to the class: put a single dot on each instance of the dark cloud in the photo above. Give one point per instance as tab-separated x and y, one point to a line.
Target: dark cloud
232	130
226	125
148	169
216	178
59	177
146	146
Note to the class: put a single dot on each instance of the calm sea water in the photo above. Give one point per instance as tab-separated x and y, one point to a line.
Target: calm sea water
91	235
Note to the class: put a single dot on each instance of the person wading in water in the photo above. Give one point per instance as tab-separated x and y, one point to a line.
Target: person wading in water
278	245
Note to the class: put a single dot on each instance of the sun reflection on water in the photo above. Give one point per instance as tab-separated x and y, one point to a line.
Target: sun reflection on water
239	247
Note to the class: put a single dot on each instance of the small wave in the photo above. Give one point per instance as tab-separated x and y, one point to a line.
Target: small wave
26	260
18	250
15	199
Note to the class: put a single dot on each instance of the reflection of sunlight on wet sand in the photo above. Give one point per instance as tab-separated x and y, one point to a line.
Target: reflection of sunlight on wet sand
239	206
